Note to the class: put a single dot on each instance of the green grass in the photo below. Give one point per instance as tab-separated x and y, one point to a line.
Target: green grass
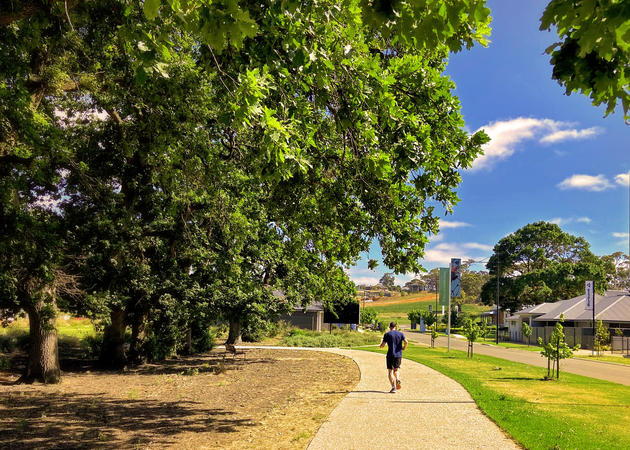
605	358
491	341
572	412
72	332
77	327
397	312
338	338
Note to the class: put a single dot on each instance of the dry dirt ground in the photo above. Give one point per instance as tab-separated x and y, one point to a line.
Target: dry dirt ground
384	301
266	399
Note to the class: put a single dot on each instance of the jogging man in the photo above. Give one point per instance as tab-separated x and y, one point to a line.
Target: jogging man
396	343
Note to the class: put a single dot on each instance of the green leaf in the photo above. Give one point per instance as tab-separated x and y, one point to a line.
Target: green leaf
151	8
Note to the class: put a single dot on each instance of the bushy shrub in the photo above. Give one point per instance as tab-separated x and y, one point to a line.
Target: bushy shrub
255	330
93	345
368	316
5	363
414	315
340	338
297	332
204	341
14	339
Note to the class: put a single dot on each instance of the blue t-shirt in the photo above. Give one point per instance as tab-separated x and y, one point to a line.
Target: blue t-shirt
394	340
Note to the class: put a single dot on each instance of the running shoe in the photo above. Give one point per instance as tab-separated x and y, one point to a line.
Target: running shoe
398	384
393	390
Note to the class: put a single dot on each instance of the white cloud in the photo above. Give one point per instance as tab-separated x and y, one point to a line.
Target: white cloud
443	252
595	183
622	238
568	220
565	135
559	221
623	179
370	281
449	224
506	135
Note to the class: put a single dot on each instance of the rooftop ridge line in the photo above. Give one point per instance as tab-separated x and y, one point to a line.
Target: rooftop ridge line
610	306
583	300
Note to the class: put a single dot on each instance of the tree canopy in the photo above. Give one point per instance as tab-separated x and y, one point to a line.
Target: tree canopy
593	56
541	263
167	164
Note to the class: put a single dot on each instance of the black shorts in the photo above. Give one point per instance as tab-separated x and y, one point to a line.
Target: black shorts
393	362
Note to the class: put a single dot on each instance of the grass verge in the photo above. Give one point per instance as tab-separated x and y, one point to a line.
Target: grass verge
606	358
572	412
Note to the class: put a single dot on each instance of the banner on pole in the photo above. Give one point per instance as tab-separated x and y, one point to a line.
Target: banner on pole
590	295
456	277
445	285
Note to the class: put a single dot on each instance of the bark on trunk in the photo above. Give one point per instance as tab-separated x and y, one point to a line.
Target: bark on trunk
113	350
43	358
188	347
234	336
138	329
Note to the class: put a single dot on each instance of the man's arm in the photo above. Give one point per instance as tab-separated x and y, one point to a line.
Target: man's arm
382	342
405	343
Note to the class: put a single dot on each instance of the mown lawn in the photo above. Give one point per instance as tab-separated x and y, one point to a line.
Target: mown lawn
398	311
572	412
491	341
606	358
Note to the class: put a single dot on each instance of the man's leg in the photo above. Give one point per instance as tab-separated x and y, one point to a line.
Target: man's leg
390	375
397	377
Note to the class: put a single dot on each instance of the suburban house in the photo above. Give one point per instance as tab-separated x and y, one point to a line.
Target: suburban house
612	308
309	318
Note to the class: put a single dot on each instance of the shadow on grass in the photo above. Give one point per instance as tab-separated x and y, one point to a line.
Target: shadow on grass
45	420
517	378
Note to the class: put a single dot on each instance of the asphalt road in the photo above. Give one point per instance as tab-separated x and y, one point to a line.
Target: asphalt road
616	373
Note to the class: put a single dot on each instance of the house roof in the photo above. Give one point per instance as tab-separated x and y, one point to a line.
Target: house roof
315	306
613	306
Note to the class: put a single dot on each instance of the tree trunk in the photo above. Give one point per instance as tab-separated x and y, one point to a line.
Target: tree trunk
558	369
188	347
43	358
234	336
548	367
113	350
138	328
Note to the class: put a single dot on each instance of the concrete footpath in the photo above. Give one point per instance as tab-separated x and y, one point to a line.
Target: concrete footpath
617	373
430	411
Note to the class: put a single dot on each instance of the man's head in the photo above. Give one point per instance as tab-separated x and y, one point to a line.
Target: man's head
392	325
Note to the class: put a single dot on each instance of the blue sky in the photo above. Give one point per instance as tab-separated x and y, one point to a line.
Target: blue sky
552	157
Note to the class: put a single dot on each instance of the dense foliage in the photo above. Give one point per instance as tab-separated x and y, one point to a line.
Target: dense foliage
594	55
541	263
169	164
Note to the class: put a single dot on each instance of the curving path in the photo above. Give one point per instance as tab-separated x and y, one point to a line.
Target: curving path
431	411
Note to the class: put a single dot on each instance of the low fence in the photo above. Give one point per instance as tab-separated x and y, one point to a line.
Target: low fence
574	336
620	344
581	336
